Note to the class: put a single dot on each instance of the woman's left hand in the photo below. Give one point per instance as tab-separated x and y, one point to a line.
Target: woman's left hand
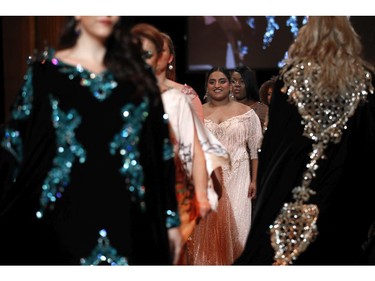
252	190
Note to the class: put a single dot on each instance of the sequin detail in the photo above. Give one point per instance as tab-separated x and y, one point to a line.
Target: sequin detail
324	118
23	105
126	144
168	152
12	141
100	85
173	219
68	149
104	253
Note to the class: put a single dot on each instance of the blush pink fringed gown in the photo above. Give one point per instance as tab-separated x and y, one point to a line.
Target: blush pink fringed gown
220	238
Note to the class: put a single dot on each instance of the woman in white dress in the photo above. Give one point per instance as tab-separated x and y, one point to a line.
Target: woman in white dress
220	239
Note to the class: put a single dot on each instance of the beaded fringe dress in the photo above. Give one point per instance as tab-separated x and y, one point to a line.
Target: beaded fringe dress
220	238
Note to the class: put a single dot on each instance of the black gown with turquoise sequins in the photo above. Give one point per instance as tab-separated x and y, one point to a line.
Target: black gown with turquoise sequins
86	171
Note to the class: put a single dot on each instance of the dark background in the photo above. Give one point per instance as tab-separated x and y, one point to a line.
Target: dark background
14	61
177	28
207	43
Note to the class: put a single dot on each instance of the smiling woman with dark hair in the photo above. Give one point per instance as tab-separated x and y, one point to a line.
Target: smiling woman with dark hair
220	238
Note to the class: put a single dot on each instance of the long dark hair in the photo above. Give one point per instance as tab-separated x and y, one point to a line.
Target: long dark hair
249	77
123	56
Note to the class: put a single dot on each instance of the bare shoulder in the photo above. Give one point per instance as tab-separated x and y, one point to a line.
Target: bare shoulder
240	107
63	54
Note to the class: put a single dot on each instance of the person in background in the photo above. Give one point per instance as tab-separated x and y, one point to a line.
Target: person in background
220	239
266	90
315	176
199	155
92	179
166	71
245	90
265	93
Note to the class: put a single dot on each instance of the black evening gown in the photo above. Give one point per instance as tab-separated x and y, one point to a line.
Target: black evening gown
344	185
87	172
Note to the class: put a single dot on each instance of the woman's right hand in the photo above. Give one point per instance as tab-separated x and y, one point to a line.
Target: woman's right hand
204	207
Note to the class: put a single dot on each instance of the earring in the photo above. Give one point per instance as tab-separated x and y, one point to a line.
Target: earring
231	96
170	67
205	96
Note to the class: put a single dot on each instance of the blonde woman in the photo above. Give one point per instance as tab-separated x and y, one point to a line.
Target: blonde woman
317	155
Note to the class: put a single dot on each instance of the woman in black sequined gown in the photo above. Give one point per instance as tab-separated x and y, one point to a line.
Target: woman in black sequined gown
325	93
87	171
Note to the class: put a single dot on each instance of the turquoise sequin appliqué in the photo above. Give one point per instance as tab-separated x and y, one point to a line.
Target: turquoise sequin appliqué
23	105
100	85
68	149
21	110
168	152
125	143
172	219
12	142
104	253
